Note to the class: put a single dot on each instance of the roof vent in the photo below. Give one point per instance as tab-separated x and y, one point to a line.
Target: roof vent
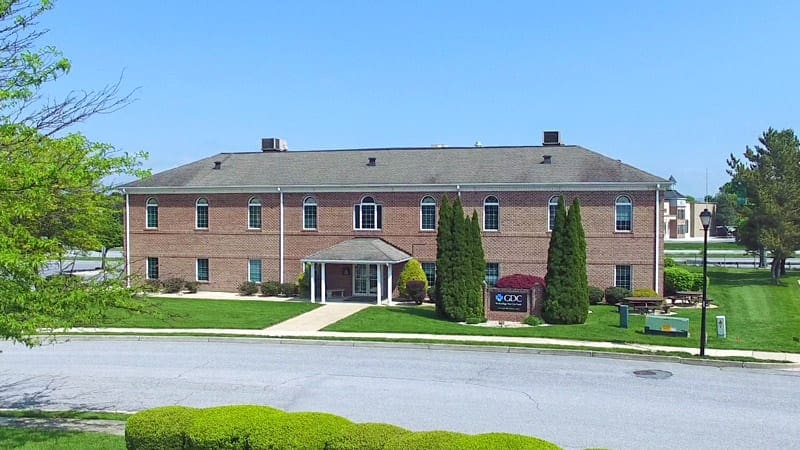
478	144
217	165
547	159
552	138
274	145
372	161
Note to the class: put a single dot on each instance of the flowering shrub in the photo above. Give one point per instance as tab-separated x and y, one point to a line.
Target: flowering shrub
519	281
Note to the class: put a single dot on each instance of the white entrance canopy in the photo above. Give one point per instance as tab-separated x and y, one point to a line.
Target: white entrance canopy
357	251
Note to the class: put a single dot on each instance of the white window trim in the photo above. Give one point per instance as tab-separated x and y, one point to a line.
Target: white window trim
147	268
197	270
361	217
498	271
483	214
421	204
250	273
614	275
147	206
549	201
616	203
316	213
208	213
253	201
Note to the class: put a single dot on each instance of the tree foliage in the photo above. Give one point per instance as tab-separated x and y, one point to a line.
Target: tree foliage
52	194
770	175
411	272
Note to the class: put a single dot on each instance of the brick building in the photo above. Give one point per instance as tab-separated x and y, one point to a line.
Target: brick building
357	215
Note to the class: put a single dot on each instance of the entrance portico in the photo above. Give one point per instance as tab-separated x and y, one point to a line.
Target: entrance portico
368	262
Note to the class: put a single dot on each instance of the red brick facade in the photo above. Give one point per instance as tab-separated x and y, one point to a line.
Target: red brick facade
519	246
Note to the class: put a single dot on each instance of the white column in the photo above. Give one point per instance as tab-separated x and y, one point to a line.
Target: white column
389	282
657	245
313	284
378	295
128	237
322	293
281	237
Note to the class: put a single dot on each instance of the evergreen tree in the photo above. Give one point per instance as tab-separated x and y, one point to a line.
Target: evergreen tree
455	298
557	261
478	261
443	253
579	307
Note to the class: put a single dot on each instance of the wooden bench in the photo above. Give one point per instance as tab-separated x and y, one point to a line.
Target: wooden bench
644	305
334	293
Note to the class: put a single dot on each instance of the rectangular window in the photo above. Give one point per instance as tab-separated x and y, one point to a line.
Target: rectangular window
551	218
623	277
309	217
254	217
368	217
683	228
254	270
430	272
492	273
202	216
152	216
202	269
429	217
624	213
681	213
491	220
152	268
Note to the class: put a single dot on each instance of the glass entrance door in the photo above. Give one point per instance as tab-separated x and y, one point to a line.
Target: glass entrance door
365	279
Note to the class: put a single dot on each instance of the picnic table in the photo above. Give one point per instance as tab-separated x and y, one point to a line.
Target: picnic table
644	305
691	297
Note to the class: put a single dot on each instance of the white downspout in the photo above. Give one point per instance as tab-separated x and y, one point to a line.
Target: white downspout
127	239
658	232
281	237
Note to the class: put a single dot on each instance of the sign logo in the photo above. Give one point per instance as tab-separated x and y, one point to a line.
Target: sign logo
508	297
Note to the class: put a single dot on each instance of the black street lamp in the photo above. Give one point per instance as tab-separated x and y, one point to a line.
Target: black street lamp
705	219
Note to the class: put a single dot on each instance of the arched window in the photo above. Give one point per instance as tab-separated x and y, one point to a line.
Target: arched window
201	215
254	214
368	215
624	213
427	212
310	213
152	213
491	214
552	207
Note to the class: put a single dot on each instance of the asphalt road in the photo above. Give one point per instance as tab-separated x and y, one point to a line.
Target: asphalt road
576	402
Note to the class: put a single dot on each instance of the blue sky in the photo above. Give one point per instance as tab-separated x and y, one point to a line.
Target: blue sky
670	87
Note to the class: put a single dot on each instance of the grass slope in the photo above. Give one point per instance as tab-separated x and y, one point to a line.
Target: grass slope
41	439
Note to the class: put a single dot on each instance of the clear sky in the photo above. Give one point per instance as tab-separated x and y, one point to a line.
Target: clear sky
671	87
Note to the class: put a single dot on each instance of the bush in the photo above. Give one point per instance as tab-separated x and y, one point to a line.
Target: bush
645	292
426	440
159	428
519	281
411	272
615	295
669	262
288	289
432	294
248	288
271	288
533	321
474	320
365	436
173	285
191	287
304	282
298	431
415	291
227	427
151	286
595	295
681	279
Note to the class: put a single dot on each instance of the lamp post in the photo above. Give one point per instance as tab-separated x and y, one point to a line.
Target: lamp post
705	219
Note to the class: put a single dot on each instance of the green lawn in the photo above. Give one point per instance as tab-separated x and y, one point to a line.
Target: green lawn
760	315
41	439
699	246
201	313
64	414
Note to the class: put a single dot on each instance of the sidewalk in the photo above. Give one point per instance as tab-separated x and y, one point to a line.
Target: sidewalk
115	427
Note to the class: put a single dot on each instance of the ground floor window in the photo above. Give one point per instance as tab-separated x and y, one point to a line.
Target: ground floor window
152	268
430	272
492	273
623	277
202	269
254	270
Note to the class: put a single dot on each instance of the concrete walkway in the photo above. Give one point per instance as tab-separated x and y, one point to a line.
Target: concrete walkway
115	427
317	319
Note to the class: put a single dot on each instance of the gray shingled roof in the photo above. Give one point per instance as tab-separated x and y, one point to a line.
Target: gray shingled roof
360	250
410	166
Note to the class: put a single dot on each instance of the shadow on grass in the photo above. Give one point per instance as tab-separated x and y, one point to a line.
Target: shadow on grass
426	313
745	278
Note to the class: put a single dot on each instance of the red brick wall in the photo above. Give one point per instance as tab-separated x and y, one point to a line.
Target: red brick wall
520	246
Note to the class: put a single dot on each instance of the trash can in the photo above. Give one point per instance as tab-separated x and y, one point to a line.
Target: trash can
722	329
623	316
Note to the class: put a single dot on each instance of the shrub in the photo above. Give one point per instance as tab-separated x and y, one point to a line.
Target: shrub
271	288
173	285
415	291
191	287
288	289
426	440
645	292
159	428
669	262
151	286
248	288
227	427
304	282
519	281
432	294
615	295
365	436
681	279
474	320
533	321
411	272
504	441
595	295
298	431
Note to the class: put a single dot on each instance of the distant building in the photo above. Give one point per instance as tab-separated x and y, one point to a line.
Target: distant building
676	222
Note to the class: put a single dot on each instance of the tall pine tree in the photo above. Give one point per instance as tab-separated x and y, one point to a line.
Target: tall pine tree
478	261
444	257
557	260
579	302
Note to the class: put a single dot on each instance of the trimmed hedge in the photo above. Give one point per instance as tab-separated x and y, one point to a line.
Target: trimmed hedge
596	295
645	292
519	281
680	279
248	288
616	294
271	288
159	428
261	428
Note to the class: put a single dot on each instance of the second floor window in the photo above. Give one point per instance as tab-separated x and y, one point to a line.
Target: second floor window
428	214
310	213
254	213
202	213
152	213
624	213
552	208
491	214
368	215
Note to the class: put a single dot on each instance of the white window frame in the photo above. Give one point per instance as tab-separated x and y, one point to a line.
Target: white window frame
618	202
254	202
551	213
377	211
147	268
495	203
430	282
197	270
197	206
309	202
423	204
486	272
630	267
260	270
151	202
